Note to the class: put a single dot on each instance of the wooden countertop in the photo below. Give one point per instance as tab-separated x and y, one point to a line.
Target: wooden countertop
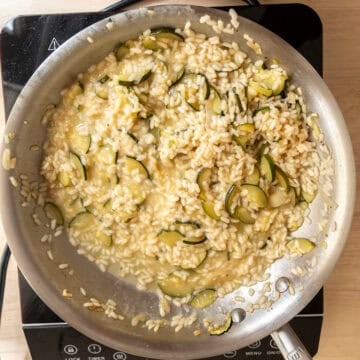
341	327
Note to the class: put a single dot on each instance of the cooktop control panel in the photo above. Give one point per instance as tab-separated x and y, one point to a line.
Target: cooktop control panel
65	343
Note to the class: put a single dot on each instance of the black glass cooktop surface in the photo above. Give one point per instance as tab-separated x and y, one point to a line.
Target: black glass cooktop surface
25	42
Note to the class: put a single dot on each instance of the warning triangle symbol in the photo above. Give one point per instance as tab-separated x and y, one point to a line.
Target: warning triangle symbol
54	44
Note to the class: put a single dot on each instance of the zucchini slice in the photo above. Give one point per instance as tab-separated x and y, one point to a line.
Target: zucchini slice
91	209
238	102
78	166
277	197
294	225
208	207
254	177
267	167
308	197
246	128
233	100
242	94
200	254
129	78
145	77
271	80
104	79
192	224
103	239
261	150
255	195
222	329
256	89
269	62
282	179
76	89
244	215
174	286
151	44
156	132
114	179
77	205
53	212
194	240
170	238
300	246
196	87
204	299
215	258
81	86
293	196
313	123
168	33
87	226
215	101
121	51
132	164
107	205
132	136
164	35
194	105
184	226
82	221
230	198
137	193
176	76
102	94
64	178
79	144
203	180
143	99
263	109
245	133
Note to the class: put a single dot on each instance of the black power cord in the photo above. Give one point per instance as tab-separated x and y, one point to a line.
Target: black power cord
120	5
3	269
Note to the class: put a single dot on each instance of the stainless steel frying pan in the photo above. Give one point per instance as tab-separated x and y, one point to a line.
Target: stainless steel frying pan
44	276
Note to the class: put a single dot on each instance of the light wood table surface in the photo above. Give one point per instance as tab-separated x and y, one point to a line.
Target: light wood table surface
341	21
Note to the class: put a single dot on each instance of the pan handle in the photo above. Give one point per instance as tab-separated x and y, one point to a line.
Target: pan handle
289	344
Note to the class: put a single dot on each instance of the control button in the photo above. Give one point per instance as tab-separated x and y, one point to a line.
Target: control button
70	350
120	356
94	349
230	355
273	345
255	345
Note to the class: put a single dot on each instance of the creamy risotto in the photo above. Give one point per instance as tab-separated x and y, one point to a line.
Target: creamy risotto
182	164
